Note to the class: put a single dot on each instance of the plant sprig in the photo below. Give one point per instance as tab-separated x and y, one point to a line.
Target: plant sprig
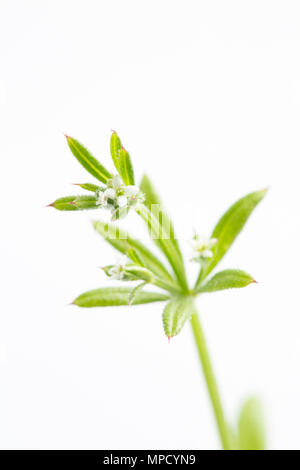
117	192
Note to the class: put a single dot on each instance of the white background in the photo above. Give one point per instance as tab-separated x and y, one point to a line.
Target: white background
206	96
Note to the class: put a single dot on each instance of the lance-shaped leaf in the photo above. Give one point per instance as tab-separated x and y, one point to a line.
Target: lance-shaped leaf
152	199
125	167
251	426
175	315
87	160
227	279
75	203
138	272
88	187
127	244
116	296
115	148
64	203
161	236
228	228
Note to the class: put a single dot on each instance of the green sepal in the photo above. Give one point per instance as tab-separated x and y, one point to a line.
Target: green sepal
126	168
87	160
227	279
116	296
175	315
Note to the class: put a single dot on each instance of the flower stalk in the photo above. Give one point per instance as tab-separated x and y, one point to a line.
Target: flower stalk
210	380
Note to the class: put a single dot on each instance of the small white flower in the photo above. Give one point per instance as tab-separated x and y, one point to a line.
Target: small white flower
101	199
110	193
117	271
203	247
131	191
134	195
117	183
122	201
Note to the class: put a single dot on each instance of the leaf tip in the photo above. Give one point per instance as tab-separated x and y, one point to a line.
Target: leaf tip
50	205
264	191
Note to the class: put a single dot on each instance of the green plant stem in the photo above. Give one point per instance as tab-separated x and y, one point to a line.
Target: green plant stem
210	380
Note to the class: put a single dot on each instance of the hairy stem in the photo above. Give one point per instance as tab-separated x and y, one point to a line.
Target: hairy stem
210	380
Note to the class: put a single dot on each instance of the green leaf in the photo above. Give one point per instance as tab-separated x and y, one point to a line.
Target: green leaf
161	236
152	198
228	228
227	279
115	147
135	290
89	187
139	272
126	168
64	203
74	203
115	296
251	426
175	315
125	243
88	161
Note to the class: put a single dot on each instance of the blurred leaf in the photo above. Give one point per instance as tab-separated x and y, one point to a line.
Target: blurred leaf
227	279
75	203
126	168
233	439
115	296
160	234
152	198
89	162
125	243
89	187
228	228
175	315
115	147
251	427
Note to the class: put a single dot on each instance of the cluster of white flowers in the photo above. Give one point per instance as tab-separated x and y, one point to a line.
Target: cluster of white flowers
202	247
118	197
